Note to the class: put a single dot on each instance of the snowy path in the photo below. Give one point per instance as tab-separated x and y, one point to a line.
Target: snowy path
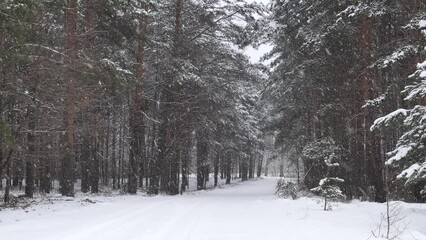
244	211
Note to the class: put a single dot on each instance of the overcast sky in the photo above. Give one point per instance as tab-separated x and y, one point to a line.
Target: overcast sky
256	54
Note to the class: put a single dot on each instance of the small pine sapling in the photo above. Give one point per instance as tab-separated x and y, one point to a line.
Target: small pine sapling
327	150
329	189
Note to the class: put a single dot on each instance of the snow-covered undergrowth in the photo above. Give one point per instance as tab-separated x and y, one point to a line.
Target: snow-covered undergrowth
248	210
18	201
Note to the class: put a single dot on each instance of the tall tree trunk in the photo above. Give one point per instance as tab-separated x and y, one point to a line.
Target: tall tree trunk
94	158
185	159
371	143
178	28
154	161
85	164
202	155
244	168
113	151
259	165
120	150
251	165
31	153
137	139
101	153
44	158
165	147
8	177
216	168
1	158
228	168
67	165
107	135
222	166
45	176
2	108
174	173
86	156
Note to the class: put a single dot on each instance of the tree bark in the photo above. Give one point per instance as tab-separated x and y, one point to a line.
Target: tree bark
94	158
228	168
202	155
107	136
370	143
259	165
185	159
67	177
8	177
85	164
31	153
113	152
137	139
216	169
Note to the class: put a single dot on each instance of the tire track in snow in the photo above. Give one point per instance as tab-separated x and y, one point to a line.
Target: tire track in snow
113	223
183	225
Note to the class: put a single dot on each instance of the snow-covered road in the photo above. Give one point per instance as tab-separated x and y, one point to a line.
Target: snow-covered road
244	211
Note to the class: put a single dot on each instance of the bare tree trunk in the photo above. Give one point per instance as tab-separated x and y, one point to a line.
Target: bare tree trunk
85	163
228	168
185	156
216	169
259	165
31	153
113	151
107	135
174	173
153	163
67	165
101	153
2	108
1	158
89	126
137	139
44	158
251	166
7	164
371	142
94	158
202	155
244	168
222	166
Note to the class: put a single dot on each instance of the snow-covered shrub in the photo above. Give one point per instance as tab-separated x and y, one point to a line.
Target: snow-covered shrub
286	189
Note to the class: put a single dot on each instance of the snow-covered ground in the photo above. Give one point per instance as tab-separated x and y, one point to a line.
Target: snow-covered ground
246	211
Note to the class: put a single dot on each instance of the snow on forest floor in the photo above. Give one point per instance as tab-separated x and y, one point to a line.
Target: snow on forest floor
248	210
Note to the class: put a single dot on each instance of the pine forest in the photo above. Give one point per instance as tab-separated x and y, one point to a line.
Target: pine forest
248	102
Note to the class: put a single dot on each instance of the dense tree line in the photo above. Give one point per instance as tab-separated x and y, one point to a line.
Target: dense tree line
338	66
139	94
119	93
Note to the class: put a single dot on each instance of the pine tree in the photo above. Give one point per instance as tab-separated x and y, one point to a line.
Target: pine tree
68	161
409	155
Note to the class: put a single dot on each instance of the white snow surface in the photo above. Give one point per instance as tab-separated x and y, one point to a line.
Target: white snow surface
248	210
